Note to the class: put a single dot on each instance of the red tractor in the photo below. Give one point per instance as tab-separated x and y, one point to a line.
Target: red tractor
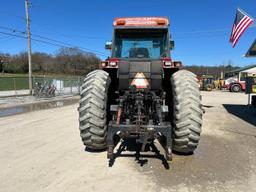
140	92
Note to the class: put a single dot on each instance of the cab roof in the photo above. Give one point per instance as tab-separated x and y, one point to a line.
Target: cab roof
141	22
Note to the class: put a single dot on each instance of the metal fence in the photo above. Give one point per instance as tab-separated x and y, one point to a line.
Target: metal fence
14	86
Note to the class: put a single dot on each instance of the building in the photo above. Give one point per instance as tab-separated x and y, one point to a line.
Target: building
252	50
241	72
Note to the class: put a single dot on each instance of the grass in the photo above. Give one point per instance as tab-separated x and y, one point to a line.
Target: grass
20	81
37	75
13	75
10	83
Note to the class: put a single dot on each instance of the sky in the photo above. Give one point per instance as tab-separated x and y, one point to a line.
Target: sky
200	28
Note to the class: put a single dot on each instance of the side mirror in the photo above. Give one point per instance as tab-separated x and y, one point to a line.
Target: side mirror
172	45
108	45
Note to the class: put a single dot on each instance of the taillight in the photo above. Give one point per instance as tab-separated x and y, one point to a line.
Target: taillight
167	62
113	63
110	63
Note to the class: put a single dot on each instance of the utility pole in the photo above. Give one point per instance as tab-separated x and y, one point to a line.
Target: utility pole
29	47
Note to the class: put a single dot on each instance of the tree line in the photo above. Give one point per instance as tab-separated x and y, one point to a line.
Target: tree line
72	61
215	71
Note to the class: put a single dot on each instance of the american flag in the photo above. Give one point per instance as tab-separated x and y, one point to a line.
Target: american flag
241	23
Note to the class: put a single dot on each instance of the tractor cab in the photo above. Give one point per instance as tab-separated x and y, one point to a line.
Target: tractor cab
141	48
140	38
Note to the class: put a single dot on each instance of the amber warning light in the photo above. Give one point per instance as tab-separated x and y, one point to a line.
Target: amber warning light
140	81
141	21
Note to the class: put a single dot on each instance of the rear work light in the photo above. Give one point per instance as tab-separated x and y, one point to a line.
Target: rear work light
103	64
177	64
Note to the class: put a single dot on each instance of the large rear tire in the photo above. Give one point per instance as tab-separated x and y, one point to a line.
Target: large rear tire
187	112
93	110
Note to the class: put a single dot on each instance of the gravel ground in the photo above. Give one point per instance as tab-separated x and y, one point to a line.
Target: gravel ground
42	151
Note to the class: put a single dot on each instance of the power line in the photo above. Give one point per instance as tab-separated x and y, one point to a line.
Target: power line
56	41
41	41
197	33
8	39
10	34
70	36
4	36
59	43
46	38
208	33
189	32
49	28
67	44
12	29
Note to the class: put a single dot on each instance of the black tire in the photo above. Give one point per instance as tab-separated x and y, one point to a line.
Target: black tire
254	100
236	88
93	110
187	112
209	87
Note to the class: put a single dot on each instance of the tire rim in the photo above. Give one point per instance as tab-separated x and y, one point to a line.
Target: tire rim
236	88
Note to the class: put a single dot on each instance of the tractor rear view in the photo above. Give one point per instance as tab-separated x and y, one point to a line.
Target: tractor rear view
140	93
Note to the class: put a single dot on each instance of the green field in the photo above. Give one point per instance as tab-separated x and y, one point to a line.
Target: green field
36	74
20	81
